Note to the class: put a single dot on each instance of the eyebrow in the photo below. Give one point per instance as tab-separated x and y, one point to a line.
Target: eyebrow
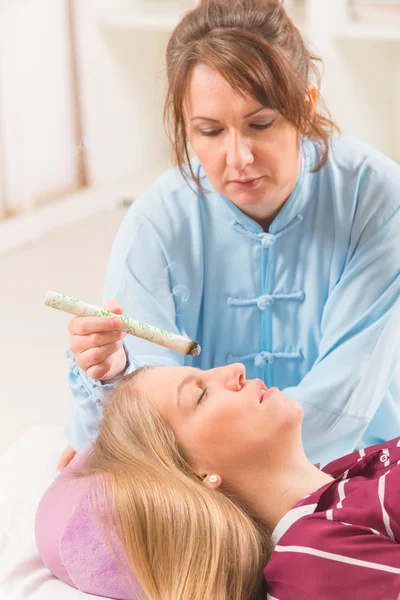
185	381
251	114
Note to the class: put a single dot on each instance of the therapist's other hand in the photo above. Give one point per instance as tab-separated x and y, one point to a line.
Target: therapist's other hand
66	457
97	343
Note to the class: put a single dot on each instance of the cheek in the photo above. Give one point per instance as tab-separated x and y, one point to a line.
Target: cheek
290	150
214	440
210	154
281	152
209	151
282	166
214	165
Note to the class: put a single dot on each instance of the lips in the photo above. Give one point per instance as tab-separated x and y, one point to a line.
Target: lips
261	390
245	180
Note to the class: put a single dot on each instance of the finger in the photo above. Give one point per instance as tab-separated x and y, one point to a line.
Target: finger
95	356
101	372
66	457
89	325
114	307
81	343
65	462
67	453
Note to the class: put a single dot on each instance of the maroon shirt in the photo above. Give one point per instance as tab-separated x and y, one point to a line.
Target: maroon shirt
342	541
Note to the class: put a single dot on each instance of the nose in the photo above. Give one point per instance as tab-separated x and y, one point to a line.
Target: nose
232	376
239	153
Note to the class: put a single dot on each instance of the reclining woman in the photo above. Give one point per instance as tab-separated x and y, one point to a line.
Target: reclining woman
196	476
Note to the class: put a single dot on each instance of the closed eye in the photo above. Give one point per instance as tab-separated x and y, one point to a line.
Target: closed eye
212	133
202	396
262	126
258	127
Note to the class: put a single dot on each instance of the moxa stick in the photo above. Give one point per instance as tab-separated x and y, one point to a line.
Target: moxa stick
131	326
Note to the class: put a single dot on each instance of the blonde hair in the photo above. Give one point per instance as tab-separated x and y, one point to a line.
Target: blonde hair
182	540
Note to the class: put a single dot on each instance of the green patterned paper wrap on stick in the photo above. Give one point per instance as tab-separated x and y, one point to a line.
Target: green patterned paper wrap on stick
131	326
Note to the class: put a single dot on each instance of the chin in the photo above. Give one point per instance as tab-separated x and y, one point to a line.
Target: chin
298	409
262	195
252	200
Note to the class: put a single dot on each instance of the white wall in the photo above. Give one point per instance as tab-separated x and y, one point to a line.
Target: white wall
396	103
122	89
360	89
360	82
35	101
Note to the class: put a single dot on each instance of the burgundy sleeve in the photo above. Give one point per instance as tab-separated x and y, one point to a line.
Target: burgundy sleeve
331	560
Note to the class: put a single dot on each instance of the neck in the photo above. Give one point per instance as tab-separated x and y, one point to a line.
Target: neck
265	215
271	493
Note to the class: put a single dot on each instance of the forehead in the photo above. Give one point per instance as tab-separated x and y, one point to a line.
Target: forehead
204	76
155	377
208	90
160	383
157	386
166	375
160	386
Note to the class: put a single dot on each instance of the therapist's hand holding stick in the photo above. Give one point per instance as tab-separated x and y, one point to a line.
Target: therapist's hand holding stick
129	325
97	344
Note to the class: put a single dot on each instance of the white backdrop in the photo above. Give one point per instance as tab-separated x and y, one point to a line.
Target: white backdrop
35	101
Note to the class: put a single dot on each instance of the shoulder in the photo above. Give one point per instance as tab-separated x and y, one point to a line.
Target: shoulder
365	170
354	166
167	209
352	155
162	221
363	185
173	193
322	554
358	458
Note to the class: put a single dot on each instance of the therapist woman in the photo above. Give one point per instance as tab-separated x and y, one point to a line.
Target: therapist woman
276	245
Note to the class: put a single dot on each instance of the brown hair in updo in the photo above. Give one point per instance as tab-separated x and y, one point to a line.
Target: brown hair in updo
256	48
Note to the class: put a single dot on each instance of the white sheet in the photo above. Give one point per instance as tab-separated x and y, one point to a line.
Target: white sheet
26	470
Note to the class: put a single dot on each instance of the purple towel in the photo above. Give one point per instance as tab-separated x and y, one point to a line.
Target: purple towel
72	546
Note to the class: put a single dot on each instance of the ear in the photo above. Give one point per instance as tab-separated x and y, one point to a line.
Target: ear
311	101
313	94
212	481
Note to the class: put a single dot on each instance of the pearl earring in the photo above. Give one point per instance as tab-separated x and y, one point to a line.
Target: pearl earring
213	479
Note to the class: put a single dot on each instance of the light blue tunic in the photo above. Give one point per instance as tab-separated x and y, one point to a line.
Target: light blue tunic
301	306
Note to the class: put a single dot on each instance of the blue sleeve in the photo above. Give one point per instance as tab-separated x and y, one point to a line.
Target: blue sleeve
138	277
354	317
